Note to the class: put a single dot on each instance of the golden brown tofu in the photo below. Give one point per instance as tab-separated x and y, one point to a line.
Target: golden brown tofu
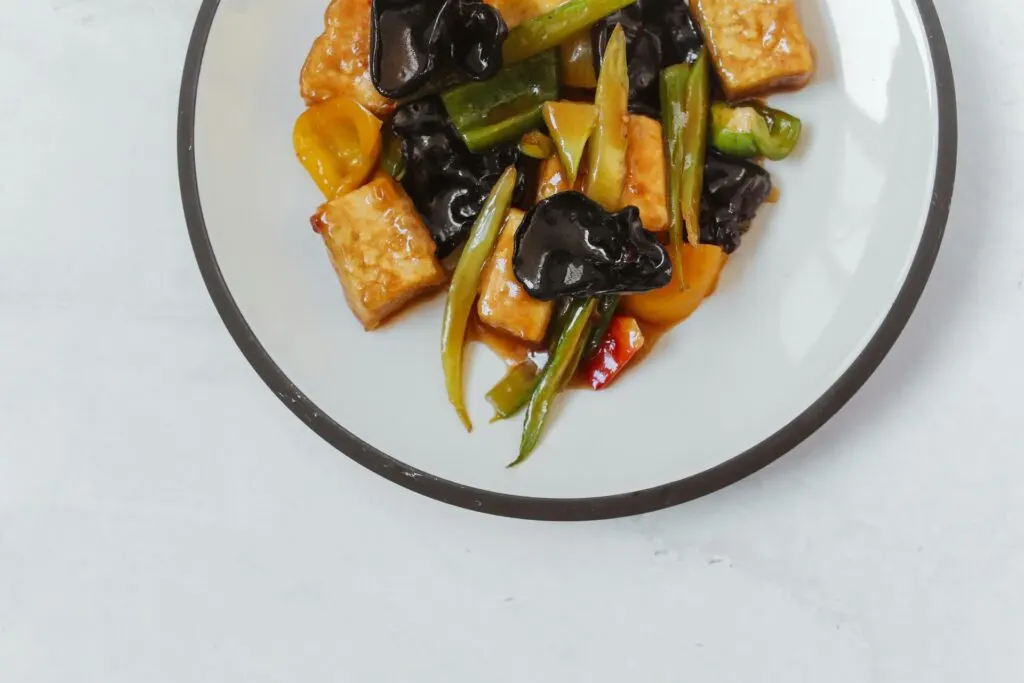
645	173
515	12
381	250
338	65
503	303
757	45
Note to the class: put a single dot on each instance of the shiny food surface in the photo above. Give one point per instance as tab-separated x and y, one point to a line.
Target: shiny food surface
757	45
504	303
569	245
381	251
338	64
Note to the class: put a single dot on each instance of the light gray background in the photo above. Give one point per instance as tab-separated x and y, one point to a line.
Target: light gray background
164	519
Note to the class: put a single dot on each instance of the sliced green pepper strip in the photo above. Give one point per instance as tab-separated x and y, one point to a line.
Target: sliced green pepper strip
606	174
606	307
513	392
783	132
673	122
465	284
488	113
750	129
552	29
695	140
565	356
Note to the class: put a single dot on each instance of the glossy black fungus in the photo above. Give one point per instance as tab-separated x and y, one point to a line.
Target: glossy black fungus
569	245
734	190
447	183
414	40
659	33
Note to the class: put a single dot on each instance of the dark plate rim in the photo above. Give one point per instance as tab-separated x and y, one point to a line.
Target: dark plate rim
556	509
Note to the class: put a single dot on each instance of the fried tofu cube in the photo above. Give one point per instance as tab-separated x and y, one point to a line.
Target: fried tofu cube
338	65
503	303
515	12
757	45
380	248
645	172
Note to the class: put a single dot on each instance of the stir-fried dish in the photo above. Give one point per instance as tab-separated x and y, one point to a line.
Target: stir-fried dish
572	173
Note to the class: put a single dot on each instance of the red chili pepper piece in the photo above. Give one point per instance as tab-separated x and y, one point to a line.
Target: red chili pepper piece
621	342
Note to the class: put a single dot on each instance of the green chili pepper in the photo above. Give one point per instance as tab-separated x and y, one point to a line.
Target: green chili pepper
513	391
749	129
695	139
536	145
561	365
607	150
465	284
673	122
490	112
554	28
606	307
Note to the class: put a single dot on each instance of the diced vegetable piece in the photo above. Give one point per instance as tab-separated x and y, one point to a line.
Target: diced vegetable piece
607	150
338	64
561	366
732	130
578	62
757	45
465	284
513	392
338	143
503	108
670	305
694	142
606	307
552	178
645	173
571	125
503	303
749	129
554	28
536	145
380	248
618	346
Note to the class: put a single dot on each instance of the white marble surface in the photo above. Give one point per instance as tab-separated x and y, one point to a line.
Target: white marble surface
164	519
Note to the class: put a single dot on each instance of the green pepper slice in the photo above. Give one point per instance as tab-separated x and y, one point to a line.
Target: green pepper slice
466	283
749	129
565	356
557	26
513	392
491	112
694	140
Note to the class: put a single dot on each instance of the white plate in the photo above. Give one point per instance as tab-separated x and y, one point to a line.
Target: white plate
805	310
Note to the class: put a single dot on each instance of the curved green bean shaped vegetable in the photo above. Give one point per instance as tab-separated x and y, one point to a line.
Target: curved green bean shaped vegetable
695	141
554	28
748	129
606	174
565	356
466	283
673	121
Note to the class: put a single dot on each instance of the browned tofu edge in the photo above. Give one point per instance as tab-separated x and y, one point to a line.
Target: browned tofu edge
397	206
